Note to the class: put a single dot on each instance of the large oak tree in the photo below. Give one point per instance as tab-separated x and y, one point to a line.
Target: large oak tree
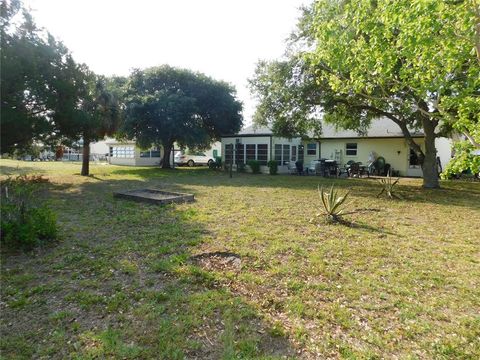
27	55
412	61
47	97
165	105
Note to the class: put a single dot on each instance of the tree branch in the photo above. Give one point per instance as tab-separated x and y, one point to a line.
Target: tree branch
401	123
471	139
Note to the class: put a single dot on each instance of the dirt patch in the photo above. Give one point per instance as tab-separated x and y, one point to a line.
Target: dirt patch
218	260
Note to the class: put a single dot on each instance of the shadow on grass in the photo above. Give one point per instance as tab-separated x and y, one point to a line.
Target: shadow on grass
120	284
369	228
461	194
24	169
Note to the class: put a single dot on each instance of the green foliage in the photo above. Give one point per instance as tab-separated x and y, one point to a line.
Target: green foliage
166	105
466	160
413	62
254	165
272	167
241	168
46	95
318	265
331	204
25	223
388	187
217	164
30	58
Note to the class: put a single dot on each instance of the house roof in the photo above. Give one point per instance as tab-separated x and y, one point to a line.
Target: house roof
379	128
116	142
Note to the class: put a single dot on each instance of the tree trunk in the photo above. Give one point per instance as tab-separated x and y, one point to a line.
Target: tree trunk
86	158
167	149
429	164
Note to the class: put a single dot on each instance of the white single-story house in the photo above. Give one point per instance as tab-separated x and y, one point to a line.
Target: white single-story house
127	153
383	138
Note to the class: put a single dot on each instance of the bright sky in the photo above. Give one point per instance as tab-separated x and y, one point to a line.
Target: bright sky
221	38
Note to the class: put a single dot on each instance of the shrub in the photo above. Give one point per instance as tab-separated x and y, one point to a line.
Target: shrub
24	222
388	186
331	203
241	167
217	164
273	167
465	162
255	166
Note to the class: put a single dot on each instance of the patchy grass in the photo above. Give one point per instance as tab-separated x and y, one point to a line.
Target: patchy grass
395	279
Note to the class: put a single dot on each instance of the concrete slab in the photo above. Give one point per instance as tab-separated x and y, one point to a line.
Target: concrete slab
154	196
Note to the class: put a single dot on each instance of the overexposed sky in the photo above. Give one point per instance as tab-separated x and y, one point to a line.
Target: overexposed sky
221	38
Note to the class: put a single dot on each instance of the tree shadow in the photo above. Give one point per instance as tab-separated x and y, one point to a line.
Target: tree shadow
119	284
10	170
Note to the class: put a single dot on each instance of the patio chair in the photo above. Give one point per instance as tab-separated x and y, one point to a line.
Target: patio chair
299	166
312	167
354	169
347	166
331	168
386	169
292	168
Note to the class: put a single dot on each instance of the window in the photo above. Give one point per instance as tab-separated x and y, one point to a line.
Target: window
262	153
228	153
239	154
351	149
155	152
250	151
311	149
294	153
286	154
282	154
123	152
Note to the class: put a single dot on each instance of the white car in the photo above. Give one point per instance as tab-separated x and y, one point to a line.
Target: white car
193	158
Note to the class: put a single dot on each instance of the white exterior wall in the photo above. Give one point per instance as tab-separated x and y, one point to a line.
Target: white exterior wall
387	148
122	161
136	160
394	150
307	159
215	146
139	161
444	150
99	147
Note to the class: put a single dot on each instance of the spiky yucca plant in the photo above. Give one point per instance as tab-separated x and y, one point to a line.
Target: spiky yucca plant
388	185
332	203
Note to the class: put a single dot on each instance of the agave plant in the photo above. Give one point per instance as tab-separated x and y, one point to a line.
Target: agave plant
332	203
388	185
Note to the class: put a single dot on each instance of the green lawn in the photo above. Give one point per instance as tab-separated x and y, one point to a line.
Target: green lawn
399	279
